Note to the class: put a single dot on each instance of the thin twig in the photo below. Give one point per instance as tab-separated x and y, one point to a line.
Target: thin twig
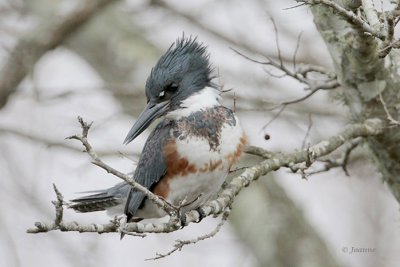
315	86
181	243
388	115
310	123
58	204
298	100
296	50
274	117
293	7
58	220
278	47
275	64
342	162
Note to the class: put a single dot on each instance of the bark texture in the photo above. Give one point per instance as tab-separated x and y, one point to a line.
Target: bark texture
366	80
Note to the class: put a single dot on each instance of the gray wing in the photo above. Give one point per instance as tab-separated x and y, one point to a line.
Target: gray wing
151	166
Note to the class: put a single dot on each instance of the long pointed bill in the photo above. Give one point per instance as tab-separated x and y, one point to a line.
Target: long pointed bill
148	115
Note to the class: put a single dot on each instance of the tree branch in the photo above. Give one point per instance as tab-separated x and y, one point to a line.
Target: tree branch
371	14
363	76
348	15
370	127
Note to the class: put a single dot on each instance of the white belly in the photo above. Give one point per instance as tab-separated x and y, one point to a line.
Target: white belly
212	167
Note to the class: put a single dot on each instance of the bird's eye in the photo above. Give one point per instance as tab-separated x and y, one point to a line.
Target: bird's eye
168	91
171	88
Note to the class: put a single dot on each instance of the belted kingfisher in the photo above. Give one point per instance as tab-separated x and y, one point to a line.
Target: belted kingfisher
190	152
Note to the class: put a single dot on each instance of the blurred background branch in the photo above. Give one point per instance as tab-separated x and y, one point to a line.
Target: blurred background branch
48	35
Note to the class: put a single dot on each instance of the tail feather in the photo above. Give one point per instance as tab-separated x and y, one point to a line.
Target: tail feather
94	203
103	200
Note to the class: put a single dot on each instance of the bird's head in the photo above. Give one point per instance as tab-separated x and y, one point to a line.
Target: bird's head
181	72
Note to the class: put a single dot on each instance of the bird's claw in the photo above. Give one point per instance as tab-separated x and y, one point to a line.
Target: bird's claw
202	214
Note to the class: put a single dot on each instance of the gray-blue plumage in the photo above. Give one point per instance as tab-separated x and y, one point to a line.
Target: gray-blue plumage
151	166
182	71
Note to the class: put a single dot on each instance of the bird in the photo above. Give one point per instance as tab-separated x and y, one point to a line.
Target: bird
190	152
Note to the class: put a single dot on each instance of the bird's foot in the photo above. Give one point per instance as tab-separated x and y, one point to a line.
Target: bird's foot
202	214
183	219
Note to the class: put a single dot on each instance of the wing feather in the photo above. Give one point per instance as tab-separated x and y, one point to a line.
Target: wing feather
151	167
